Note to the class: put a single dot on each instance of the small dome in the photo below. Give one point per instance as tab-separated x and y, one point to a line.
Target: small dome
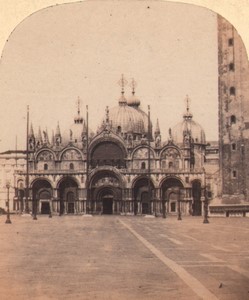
188	125
133	101
73	134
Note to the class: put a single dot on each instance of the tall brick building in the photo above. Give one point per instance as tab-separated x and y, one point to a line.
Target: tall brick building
233	70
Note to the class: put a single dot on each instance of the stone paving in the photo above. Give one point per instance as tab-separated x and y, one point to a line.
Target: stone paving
118	257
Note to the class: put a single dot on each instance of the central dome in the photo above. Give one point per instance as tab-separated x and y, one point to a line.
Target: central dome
125	118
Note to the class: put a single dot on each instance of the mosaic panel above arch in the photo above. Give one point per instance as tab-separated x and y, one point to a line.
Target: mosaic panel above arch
71	154
45	156
142	153
170	153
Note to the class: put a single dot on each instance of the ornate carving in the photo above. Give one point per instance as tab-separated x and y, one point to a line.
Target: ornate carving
45	156
142	153
71	155
170	153
107	181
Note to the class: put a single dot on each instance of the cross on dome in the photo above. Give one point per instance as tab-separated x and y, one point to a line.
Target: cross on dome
188	114
133	84
122	82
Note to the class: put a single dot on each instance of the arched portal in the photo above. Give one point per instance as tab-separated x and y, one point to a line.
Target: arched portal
41	195
106	198
143	196
196	194
68	195
170	189
106	195
107	153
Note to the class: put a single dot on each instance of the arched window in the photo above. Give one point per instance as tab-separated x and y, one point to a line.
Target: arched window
143	165
234	174
233	146
232	91
170	164
71	166
230	42
119	129
233	119
231	67
45	166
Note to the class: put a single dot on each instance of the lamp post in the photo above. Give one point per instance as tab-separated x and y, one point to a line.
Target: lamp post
50	210
35	208
7	204
164	208
179	218
205	221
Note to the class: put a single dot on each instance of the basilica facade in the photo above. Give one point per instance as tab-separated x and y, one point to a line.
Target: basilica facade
123	168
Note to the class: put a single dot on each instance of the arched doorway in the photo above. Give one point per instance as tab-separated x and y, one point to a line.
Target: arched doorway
143	196
106	195
44	197
41	196
70	203
196	194
68	195
170	190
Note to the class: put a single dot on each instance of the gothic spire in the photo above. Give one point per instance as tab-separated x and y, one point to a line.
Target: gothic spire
39	134
58	135
52	138
31	132
58	131
84	128
157	130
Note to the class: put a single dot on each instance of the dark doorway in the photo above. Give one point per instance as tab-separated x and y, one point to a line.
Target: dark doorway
170	194
68	191
145	201
45	209
143	194
41	191
70	203
107	206
70	208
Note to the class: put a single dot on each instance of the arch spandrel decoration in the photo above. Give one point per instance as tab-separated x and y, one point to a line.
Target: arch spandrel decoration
45	155
41	181
170	153
71	154
142	153
106	180
45	194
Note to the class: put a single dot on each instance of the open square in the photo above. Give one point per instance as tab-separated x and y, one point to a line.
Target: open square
120	257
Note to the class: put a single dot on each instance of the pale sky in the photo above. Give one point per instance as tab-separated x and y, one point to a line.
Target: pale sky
81	49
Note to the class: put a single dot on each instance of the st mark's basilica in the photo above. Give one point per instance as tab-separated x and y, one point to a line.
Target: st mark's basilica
123	168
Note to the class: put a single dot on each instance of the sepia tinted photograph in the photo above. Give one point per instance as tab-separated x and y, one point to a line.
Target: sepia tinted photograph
124	146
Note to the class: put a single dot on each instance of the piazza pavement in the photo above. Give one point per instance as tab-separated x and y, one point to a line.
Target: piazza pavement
121	257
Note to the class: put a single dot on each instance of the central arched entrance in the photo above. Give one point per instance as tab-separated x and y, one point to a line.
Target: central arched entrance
106	195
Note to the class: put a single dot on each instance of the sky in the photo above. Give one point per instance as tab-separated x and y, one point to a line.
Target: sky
80	50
